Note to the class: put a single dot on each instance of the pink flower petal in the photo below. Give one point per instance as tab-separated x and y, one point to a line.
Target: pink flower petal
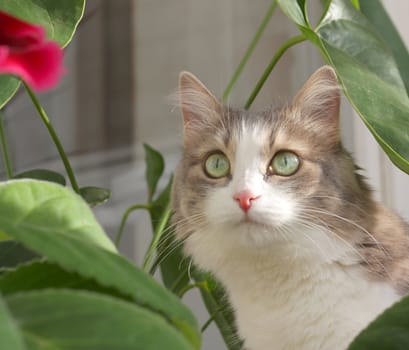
41	66
15	32
25	52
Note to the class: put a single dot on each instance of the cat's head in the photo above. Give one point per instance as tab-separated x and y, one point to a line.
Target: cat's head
259	178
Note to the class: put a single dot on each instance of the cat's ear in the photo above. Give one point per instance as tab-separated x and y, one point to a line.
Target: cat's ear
197	103
318	101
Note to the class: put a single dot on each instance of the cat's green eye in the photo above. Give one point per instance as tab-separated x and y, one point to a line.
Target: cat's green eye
217	165
284	163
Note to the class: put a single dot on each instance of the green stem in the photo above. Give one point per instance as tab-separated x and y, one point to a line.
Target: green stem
156	238
4	149
207	324
125	218
210	320
201	285
279	53
250	49
54	137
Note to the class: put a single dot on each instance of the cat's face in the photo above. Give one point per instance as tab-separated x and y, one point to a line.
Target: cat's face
258	178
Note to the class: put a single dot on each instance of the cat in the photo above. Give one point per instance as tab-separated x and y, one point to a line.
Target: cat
271	204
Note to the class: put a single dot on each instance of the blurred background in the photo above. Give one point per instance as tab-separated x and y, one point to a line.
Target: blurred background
123	64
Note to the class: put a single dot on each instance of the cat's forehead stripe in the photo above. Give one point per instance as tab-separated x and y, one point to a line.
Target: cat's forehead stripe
251	143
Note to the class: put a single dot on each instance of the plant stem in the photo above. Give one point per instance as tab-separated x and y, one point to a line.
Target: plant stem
156	238
4	149
183	291
250	49
125	218
54	137
279	53
207	324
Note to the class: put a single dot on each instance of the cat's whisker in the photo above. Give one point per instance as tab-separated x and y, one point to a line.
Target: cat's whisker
169	239
189	268
351	222
311	239
339	236
310	224
169	243
342	200
328	230
169	250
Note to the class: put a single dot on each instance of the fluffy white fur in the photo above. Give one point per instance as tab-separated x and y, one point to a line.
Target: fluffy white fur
292	285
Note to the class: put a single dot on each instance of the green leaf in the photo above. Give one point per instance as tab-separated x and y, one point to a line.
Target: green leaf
367	72
39	275
219	308
389	331
173	264
294	11
95	195
42	174
32	206
59	18
72	320
379	18
10	336
370	78
113	271
160	204
9	86
155	166
13	253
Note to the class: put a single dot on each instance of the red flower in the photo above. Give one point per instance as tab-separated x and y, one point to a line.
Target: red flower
26	53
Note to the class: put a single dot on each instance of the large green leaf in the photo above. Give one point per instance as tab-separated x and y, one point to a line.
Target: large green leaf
379	18
367	71
31	206
390	331
73	320
113	271
10	336
59	18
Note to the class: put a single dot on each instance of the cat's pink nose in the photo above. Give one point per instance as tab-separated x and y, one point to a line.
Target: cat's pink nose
245	199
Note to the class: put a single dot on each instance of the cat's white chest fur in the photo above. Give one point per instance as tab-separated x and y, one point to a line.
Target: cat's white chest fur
323	309
288	302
